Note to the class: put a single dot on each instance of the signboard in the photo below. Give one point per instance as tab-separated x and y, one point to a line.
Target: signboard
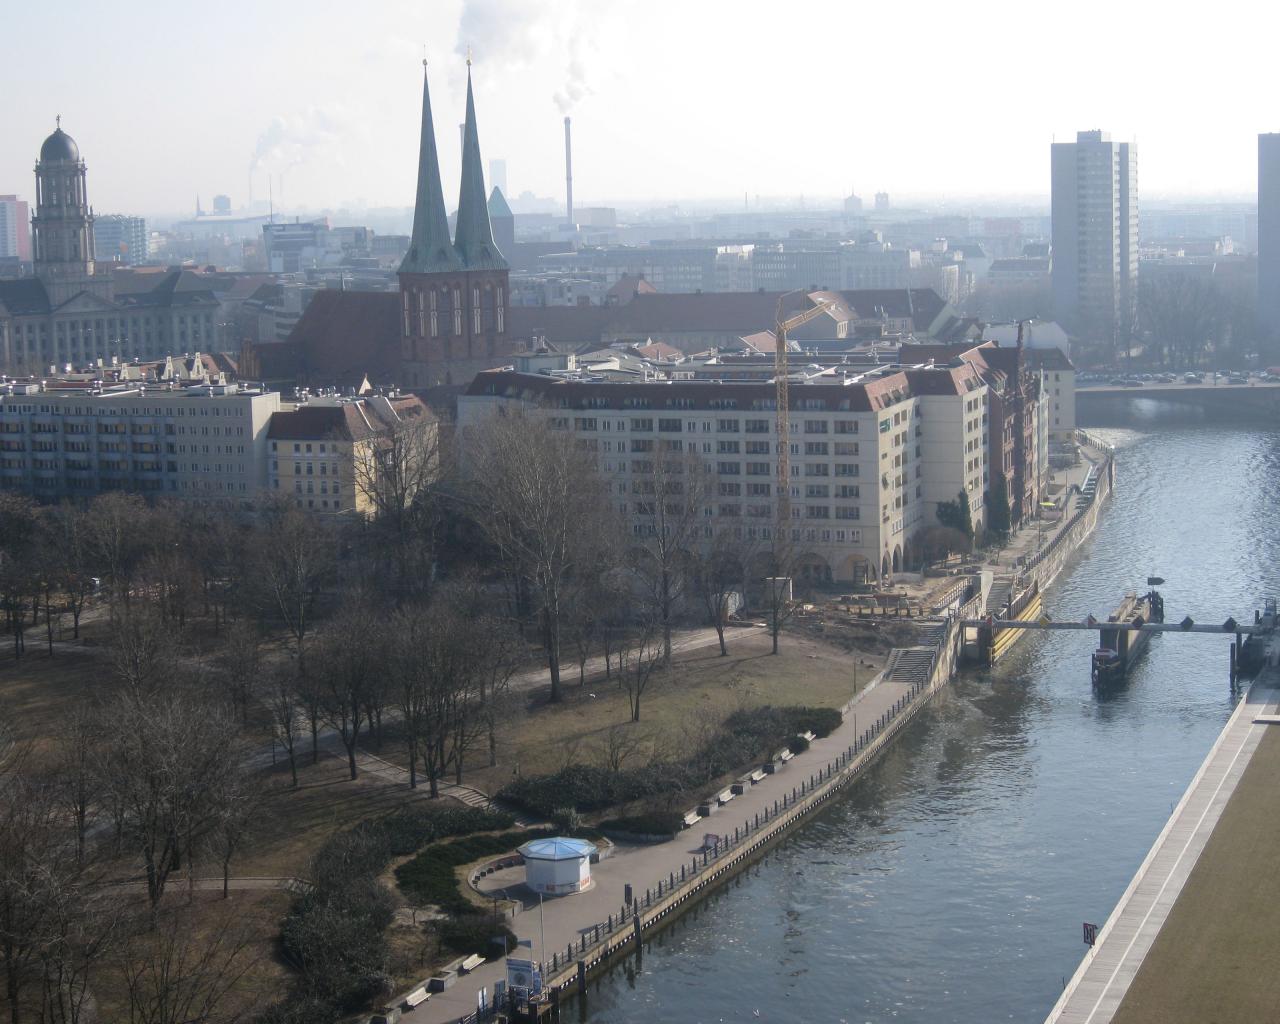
1090	933
524	978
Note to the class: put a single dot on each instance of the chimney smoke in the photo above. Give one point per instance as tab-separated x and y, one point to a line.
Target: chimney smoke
568	172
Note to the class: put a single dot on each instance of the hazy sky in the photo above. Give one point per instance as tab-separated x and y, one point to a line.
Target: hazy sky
670	98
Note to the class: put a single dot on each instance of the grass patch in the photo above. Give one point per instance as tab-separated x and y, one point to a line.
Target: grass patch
1213	961
431	877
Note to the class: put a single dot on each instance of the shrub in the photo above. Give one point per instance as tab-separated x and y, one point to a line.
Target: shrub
745	736
652	823
429	877
474	933
797	744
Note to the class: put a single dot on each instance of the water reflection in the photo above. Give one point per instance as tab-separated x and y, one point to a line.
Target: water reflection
950	884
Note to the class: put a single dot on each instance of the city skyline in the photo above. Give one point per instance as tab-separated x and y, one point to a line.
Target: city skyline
270	94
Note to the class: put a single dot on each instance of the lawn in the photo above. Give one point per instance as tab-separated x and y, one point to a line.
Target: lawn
679	707
1214	960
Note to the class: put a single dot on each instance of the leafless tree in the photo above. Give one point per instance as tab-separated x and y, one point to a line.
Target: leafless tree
240	663
293	559
620	744
20	571
278	691
716	573
173	974
534	493
119	532
669	499
348	663
143	649
641	655
165	761
74	770
777	563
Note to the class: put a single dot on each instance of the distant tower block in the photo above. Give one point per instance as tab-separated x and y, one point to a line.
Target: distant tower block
498	175
568	173
882	200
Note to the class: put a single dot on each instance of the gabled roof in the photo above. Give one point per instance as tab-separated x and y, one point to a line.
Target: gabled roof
569	328
473	237
498	206
628	287
342	334
430	249
24	297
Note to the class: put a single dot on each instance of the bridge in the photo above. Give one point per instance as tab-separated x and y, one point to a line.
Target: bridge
1257	398
1230	626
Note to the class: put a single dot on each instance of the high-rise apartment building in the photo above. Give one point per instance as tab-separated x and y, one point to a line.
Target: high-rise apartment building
1095	235
120	239
15	229
1269	236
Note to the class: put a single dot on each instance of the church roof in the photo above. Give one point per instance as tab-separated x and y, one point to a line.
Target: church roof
430	250
498	206
59	146
474	235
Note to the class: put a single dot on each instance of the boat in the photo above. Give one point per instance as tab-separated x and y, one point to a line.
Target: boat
1118	649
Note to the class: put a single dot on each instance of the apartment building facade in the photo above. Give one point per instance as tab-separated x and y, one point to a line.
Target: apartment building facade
867	453
200	442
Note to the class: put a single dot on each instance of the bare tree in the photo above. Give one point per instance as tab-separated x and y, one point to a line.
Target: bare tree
777	562
641	654
534	492
292	561
670	495
619	745
74	770
119	531
716	574
279	693
240	662
174	974
347	666
165	761
143	649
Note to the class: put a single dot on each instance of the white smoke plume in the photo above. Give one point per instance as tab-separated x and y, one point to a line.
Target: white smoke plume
519	34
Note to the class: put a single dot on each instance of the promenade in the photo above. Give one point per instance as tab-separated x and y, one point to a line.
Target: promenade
1096	990
566	920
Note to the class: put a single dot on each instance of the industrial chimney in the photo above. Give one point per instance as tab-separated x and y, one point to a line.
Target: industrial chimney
568	173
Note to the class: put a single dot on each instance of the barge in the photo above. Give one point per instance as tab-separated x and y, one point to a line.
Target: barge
1118	649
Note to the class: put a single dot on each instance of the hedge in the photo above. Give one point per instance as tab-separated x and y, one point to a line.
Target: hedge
653	823
745	736
430	878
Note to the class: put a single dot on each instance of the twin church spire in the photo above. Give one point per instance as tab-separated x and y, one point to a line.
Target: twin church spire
472	248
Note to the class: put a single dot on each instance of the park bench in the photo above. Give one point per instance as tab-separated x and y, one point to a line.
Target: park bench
416	998
725	795
471	963
808	736
756	775
785	756
691	818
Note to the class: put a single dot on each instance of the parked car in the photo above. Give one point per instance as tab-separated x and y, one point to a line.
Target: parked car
1132	382
1191	378
1236	378
1116	382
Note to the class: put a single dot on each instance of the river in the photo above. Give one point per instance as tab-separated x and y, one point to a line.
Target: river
950	884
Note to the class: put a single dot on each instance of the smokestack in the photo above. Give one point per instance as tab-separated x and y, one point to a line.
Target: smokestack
568	172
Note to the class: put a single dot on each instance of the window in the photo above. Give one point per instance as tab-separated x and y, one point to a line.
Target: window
815	426
727	426
729	468
758	427
670	426
815	448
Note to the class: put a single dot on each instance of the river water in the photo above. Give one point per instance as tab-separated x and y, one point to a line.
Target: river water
950	885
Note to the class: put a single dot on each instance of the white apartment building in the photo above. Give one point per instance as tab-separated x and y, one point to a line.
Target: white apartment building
205	442
864	452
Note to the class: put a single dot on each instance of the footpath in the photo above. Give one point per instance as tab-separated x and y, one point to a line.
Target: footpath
593	925
1098	987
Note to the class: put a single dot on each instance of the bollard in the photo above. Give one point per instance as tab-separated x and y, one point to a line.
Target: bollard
611	922
626	894
673	880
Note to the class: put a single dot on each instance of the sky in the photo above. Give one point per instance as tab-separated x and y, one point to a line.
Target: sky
672	100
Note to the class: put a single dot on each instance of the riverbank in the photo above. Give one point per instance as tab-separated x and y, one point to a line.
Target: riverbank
1100	984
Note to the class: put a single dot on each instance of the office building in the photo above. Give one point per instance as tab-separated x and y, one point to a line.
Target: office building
1095	236
1269	237
15	229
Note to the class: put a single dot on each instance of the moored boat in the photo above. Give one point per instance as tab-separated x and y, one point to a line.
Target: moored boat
1119	648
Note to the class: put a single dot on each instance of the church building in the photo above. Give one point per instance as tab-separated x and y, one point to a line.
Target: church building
454	293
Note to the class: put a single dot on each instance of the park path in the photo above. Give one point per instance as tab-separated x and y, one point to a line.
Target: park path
565	920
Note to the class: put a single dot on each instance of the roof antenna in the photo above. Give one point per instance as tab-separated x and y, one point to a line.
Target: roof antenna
58	121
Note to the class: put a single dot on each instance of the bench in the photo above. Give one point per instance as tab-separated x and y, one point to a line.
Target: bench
471	963
725	795
785	756
416	998
808	736
691	818
756	776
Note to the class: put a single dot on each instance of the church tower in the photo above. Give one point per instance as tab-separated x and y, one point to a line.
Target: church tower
62	229
453	295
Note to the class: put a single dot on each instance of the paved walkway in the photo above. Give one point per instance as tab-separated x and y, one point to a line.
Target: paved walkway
565	919
1099	985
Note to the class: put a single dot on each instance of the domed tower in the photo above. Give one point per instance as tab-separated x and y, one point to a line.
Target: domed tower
62	229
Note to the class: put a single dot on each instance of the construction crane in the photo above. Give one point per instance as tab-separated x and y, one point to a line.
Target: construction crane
782	372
